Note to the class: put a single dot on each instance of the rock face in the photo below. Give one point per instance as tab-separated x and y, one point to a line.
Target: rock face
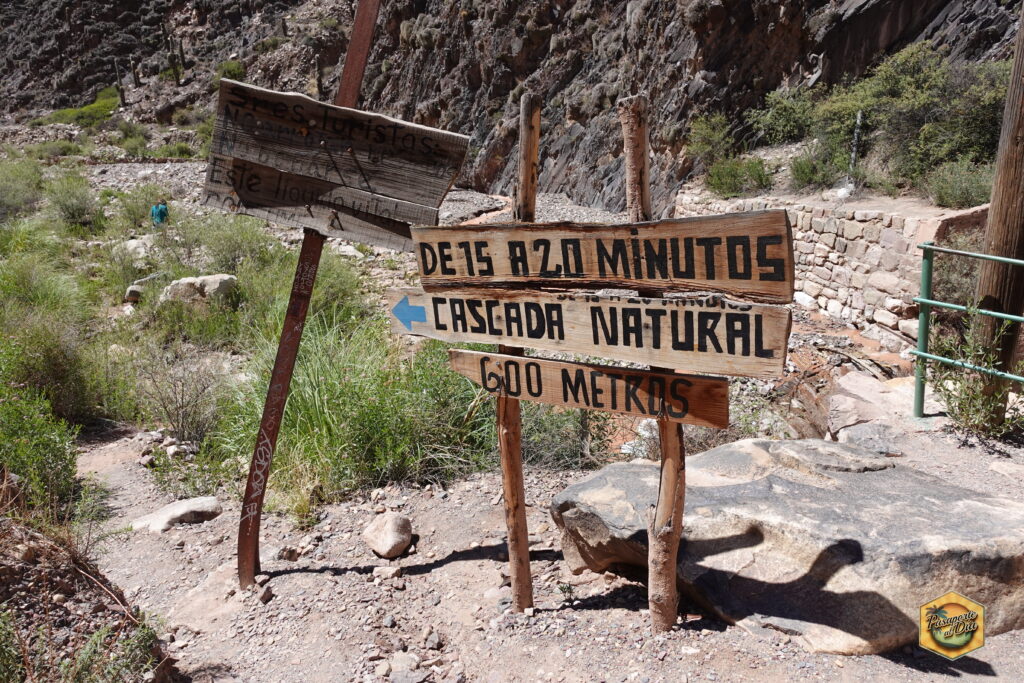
191	289
463	65
829	542
389	534
190	511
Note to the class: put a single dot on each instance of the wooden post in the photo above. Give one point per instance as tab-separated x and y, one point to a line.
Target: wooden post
1000	285
666	522
509	416
291	335
358	53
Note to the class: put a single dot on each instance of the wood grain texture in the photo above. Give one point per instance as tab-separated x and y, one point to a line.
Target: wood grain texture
369	152
357	54
707	335
749	255
529	152
688	399
1001	286
240	186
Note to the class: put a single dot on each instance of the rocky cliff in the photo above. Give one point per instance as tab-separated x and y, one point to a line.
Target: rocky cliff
462	64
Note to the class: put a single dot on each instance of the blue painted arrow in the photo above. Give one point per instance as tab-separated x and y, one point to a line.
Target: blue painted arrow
407	314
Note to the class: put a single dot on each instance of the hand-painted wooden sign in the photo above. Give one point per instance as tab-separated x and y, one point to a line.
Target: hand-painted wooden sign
748	255
708	334
289	158
679	398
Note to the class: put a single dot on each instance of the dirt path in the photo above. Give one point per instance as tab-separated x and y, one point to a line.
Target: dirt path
330	619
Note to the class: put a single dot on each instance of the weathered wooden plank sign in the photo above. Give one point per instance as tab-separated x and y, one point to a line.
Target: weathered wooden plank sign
748	255
340	171
689	399
707	334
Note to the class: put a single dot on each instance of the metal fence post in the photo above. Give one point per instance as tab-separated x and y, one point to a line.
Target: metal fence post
923	324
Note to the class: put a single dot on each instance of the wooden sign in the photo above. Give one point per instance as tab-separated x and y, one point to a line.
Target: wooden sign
316	165
706	334
747	254
679	398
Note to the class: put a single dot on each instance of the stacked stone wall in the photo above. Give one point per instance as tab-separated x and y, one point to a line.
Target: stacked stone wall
856	265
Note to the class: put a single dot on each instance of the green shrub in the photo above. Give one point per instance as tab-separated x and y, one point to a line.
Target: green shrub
787	116
919	111
135	147
813	169
269	44
52	149
73	199
956	277
710	139
555	438
131	210
174	150
37	447
232	69
132	129
44	354
20	187
960	184
12	667
230	241
329	23
33	282
89	116
730	177
964	392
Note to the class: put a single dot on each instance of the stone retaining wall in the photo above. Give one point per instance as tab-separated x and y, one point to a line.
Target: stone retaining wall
856	265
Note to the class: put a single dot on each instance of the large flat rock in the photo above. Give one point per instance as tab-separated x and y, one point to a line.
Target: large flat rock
829	542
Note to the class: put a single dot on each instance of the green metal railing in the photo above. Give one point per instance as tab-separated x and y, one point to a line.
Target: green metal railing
926	302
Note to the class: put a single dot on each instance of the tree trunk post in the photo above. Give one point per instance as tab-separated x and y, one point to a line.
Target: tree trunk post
1000	285
291	335
509	415
666	520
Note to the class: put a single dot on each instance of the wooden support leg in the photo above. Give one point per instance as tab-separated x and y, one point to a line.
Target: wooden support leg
273	409
666	524
510	446
666	527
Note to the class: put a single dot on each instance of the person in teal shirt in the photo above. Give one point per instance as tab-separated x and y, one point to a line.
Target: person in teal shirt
159	213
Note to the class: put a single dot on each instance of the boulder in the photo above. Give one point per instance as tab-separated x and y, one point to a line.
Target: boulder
389	534
135	250
189	511
191	289
831	543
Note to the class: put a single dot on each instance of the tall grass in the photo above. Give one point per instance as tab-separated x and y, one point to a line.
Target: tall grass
361	413
20	187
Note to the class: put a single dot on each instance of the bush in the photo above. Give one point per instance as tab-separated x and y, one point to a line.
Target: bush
813	170
231	241
135	147
37	447
89	116
960	184
269	44
956	277
787	116
174	150
732	176
710	139
53	149
132	129
964	392
233	69
20	187
131	211
73	199
180	388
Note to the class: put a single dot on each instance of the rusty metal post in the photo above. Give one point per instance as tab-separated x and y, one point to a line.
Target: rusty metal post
295	320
